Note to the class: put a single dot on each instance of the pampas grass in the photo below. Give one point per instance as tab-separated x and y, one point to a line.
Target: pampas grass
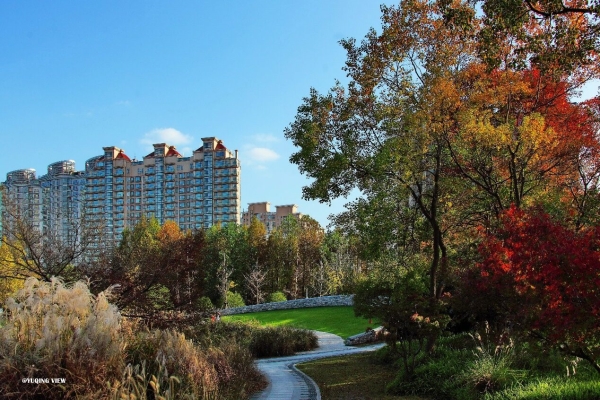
50	330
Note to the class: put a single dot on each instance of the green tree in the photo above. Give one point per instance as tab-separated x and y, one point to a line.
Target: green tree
137	265
553	35
387	130
227	259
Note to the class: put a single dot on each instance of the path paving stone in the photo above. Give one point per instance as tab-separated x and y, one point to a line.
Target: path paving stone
288	383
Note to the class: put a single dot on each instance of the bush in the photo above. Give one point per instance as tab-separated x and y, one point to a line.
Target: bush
281	341
204	304
276	297
262	342
234	300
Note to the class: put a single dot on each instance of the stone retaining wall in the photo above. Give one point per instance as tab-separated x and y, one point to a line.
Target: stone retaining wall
325	301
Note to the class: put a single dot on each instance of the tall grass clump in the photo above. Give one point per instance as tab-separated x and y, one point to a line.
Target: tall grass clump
54	331
492	368
167	350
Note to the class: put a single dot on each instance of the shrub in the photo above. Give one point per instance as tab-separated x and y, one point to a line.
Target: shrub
276	297
204	304
234	300
281	341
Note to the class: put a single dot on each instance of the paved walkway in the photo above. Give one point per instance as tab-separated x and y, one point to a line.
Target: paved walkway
288	383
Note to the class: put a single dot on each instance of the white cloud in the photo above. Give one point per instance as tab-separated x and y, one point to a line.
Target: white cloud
124	103
261	154
170	136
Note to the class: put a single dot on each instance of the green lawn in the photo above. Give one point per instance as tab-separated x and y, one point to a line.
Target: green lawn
337	320
352	377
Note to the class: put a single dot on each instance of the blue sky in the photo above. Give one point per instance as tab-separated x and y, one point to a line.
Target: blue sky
77	76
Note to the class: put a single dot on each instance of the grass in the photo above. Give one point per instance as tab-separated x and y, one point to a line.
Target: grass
352	377
450	374
337	320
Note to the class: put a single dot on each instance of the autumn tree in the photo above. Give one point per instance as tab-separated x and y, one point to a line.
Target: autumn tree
136	266
387	130
541	277
182	255
310	262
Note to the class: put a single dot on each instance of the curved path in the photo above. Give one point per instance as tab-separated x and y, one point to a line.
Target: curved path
286	382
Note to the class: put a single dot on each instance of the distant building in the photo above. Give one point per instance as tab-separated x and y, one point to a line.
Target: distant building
63	196
22	198
115	191
52	204
262	211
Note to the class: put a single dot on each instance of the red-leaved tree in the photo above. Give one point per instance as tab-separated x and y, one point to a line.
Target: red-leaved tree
545	278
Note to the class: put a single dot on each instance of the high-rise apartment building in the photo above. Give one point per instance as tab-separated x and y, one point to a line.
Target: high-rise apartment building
52	204
196	191
22	198
262	211
63	190
115	191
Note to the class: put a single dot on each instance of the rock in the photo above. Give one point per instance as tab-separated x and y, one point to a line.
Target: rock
370	336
